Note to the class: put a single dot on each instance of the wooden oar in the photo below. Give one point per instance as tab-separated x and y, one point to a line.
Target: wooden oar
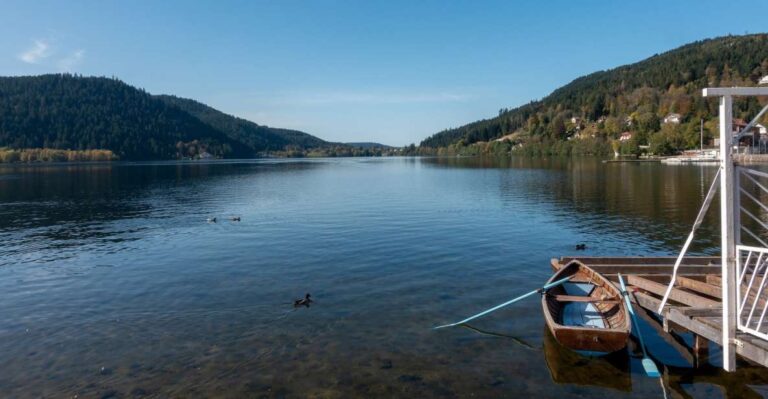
497	307
648	365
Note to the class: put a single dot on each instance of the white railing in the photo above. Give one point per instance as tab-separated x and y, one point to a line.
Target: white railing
750	177
751	261
751	303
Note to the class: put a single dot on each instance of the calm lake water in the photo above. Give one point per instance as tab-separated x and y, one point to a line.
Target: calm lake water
112	283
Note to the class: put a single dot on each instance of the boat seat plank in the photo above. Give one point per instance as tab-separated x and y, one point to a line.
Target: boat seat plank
578	288
579	298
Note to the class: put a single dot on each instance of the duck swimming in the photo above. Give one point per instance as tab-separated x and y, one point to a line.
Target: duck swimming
303	302
235	218
581	247
211	220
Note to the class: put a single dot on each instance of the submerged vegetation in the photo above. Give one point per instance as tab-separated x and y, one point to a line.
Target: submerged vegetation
656	104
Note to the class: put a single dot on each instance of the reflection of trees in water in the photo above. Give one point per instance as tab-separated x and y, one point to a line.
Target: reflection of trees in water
657	201
72	205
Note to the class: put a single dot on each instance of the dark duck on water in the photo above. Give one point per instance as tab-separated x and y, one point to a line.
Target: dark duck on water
303	302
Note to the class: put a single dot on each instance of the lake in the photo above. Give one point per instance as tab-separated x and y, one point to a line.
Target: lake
113	283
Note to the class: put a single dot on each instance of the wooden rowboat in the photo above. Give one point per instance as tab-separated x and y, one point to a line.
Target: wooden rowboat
586	313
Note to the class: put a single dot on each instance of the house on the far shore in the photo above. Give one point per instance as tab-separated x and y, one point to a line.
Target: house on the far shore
626	136
750	138
673	118
753	141
205	155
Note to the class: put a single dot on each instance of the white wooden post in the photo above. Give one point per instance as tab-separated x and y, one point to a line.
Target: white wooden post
730	210
727	229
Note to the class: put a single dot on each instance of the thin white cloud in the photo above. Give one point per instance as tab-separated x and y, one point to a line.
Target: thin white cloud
68	63
39	51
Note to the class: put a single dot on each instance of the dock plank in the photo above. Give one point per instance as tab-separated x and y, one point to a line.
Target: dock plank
676	294
641	260
648	302
660	269
707	331
702	312
700	286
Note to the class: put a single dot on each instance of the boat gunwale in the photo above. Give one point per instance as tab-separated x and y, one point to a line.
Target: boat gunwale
558	326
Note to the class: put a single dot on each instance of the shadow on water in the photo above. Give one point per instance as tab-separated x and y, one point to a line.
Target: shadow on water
748	382
614	371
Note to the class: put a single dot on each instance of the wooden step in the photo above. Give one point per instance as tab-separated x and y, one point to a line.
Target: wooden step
700	286
676	294
717	281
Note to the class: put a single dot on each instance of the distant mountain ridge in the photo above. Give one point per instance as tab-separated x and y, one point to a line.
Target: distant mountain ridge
632	98
81	113
368	145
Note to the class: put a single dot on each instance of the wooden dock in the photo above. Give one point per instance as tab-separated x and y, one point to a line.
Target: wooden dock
695	304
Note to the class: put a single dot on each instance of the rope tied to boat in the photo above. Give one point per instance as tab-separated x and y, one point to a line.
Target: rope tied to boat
497	307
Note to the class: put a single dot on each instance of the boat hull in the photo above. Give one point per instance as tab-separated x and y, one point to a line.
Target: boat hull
596	321
591	340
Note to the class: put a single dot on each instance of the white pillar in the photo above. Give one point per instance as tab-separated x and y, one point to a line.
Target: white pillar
728	232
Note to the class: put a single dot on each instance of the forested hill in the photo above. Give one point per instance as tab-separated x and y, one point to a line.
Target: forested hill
633	98
259	138
80	113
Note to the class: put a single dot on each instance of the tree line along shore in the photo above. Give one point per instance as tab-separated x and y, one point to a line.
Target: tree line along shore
29	155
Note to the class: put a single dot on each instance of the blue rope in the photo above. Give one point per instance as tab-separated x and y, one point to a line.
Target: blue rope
497	307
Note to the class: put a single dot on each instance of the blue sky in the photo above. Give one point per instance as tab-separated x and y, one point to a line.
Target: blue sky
388	71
